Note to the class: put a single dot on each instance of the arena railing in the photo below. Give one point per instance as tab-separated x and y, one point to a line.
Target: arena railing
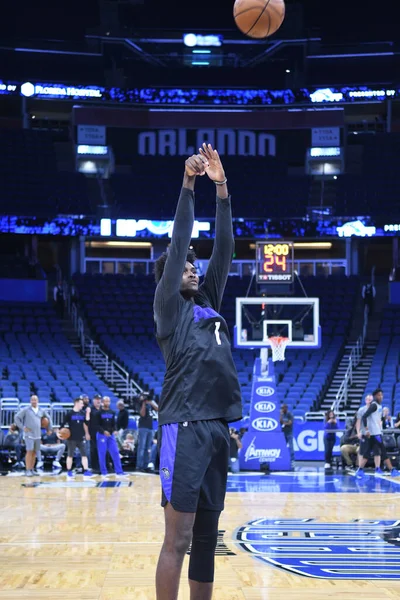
239	268
8	409
59	411
114	374
320	416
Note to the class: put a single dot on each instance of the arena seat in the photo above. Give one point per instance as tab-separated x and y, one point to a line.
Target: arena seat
35	357
385	369
30	182
120	318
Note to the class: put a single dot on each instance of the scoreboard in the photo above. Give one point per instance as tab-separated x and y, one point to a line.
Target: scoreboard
275	262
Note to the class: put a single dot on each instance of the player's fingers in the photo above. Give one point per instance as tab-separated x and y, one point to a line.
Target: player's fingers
196	164
204	153
192	162
211	151
206	150
202	161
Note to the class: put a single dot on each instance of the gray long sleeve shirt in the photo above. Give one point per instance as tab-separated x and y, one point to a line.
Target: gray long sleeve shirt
27	417
201	381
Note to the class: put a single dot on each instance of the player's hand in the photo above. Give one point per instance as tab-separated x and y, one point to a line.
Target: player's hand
359	436
87	437
367	434
107	433
215	170
27	430
196	165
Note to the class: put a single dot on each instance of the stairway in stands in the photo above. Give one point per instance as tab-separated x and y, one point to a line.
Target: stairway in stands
359	381
74	341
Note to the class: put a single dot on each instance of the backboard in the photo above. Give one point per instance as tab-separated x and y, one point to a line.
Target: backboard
257	319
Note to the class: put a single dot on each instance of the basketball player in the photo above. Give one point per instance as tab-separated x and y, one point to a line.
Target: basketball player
371	436
201	392
77	421
106	442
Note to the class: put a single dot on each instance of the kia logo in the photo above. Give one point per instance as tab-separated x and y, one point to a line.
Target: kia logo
264	424
265	407
265	391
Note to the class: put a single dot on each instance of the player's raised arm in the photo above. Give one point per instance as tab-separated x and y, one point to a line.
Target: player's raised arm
221	258
169	271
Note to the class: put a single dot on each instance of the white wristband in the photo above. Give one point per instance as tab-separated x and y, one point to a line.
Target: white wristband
221	182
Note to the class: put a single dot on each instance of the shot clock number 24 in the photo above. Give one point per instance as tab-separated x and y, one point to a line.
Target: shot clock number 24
274	262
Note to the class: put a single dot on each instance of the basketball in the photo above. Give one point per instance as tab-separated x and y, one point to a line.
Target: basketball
45	422
259	18
64	433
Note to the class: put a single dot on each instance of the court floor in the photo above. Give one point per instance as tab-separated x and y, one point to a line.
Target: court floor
302	535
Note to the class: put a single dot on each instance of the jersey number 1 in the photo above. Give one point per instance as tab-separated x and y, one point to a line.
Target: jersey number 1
217	336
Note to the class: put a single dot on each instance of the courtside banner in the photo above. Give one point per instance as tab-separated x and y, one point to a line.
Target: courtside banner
308	440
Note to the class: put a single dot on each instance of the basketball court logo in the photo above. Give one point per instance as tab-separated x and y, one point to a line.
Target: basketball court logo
360	549
166	473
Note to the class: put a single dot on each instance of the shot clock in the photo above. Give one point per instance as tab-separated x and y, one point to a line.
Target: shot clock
274	262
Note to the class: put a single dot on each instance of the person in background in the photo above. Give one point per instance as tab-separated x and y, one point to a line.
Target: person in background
235	444
242	431
368	293
349	444
129	443
51	444
154	458
59	299
372	439
86	404
329	437
122	417
77	421
286	421
106	441
145	430
13	441
386	419
93	429
29	420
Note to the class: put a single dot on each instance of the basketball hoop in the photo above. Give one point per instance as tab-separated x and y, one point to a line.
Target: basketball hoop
278	346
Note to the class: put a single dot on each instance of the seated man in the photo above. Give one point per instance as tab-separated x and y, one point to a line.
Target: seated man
349	444
51	444
13	441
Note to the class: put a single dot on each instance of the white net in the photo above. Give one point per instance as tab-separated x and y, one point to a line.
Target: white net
278	346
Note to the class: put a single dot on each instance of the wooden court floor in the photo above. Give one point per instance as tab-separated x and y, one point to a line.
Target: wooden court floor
102	543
